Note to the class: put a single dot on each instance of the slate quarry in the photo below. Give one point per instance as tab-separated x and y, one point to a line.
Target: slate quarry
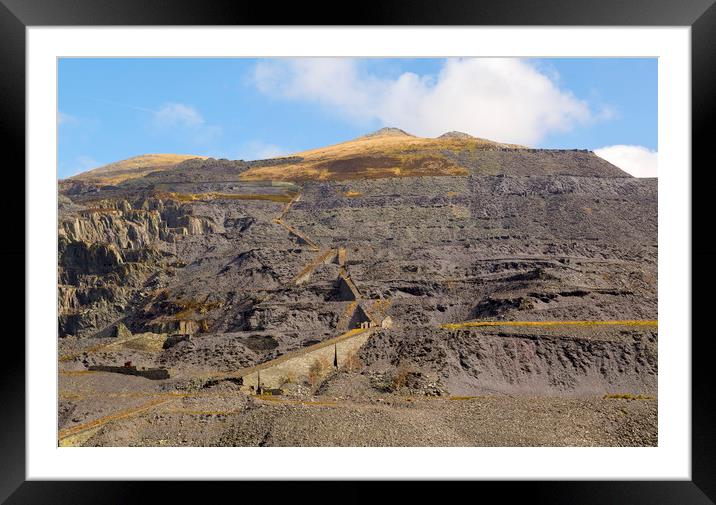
211	266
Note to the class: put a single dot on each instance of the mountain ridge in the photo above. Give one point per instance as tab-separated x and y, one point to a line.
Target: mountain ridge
133	167
384	153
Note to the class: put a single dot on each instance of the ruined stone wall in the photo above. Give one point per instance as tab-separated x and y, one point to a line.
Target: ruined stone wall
298	366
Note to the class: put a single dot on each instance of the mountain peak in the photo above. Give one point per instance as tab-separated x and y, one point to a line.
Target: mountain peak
455	135
388	131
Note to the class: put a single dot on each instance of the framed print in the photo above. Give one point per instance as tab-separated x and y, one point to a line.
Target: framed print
305	251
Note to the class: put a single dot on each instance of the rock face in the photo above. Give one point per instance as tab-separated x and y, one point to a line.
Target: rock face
110	251
487	232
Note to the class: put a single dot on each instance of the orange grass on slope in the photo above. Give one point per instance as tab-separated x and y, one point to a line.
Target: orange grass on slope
132	168
375	156
202	197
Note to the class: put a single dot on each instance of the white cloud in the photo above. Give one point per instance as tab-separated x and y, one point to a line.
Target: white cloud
65	119
507	100
78	165
178	114
258	150
186	118
636	160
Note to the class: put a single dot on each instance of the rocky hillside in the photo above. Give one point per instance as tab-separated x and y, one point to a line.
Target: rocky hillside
250	260
131	168
391	152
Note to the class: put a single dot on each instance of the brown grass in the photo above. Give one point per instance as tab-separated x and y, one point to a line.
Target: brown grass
377	166
204	197
132	168
400	376
190	309
626	396
316	371
352	363
374	157
148	342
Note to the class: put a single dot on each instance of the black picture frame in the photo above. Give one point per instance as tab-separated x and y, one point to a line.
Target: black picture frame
700	15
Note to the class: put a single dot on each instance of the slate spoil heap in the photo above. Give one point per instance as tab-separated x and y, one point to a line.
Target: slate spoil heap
386	245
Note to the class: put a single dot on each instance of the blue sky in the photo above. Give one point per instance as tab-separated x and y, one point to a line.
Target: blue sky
111	109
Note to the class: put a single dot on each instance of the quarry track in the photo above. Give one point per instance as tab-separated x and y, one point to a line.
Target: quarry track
474	324
68	436
298	234
320	259
279	221
96	348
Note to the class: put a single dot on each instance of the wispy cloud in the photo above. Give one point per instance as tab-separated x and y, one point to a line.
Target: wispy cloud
182	117
77	166
66	119
508	100
177	118
123	105
607	113
638	161
258	150
178	114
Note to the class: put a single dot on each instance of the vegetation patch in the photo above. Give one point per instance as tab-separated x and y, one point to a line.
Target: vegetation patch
189	309
204	197
352	363
133	168
371	158
318	369
148	342
626	396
